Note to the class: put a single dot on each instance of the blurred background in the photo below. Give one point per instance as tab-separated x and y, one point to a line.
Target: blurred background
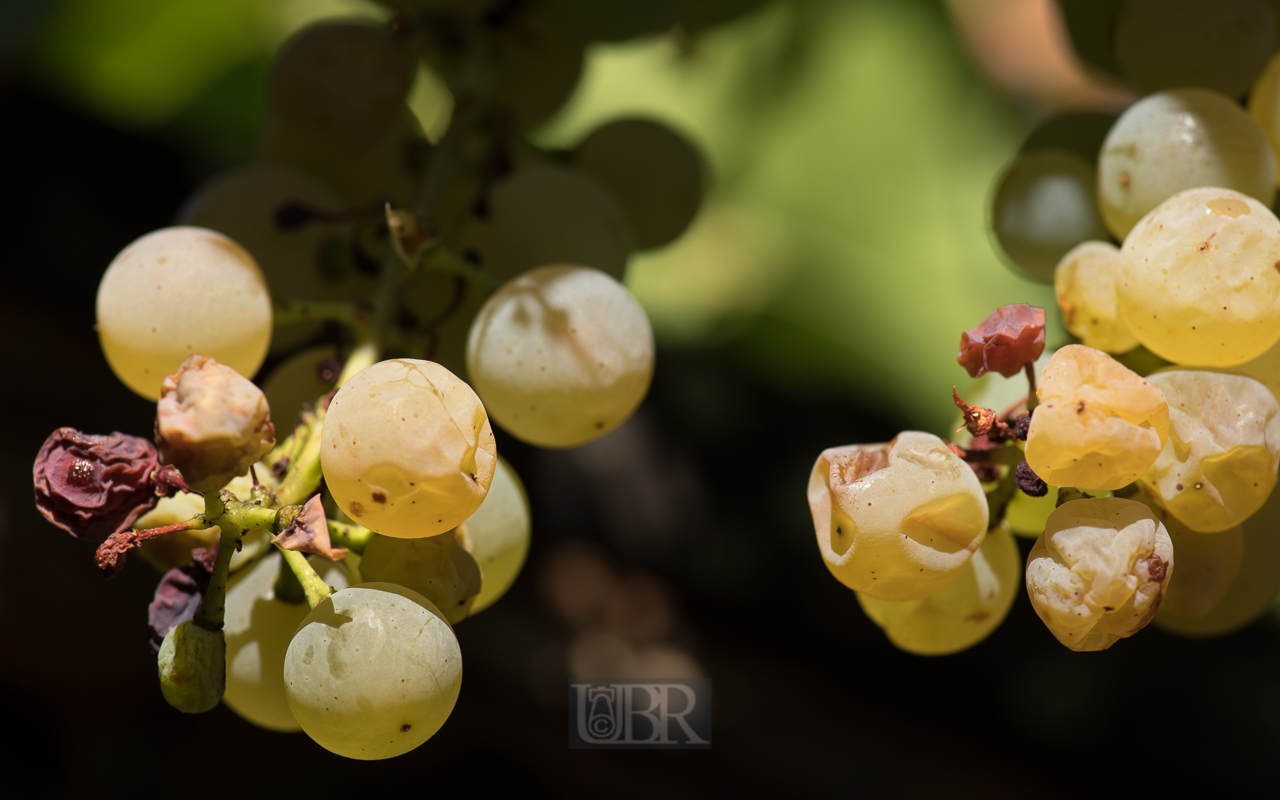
816	300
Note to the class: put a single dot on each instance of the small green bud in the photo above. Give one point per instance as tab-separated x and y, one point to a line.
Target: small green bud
193	667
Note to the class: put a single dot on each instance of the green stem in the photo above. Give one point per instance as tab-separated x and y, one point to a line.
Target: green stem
213	606
351	536
288	589
303	478
443	259
313	587
288	312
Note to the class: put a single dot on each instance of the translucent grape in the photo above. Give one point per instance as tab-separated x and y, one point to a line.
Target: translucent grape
297	382
1207	565
1044	205
343	81
258	628
498	535
437	567
962	613
1219	464
1264	103
1099	571
554	215
896	521
1252	591
244	204
192	663
1178	140
1098	425
1220	45
1085	285
561	355
373	671
655	174
170	294
407	450
1198	282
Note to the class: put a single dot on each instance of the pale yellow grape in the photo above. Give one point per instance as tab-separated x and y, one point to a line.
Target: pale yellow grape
1099	425
1219	464
406	449
1177	140
438	567
1264	369
373	671
343	81
174	292
258	628
1217	44
1099	571
1198	281
561	355
962	613
1207	564
243	203
295	383
655	174
896	521
1045	204
554	215
1027	515
1254	588
1085	286
1264	103
498	535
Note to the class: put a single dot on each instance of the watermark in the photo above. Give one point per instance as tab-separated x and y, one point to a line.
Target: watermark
652	715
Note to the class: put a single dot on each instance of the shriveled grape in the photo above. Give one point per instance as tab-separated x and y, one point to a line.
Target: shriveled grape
896	521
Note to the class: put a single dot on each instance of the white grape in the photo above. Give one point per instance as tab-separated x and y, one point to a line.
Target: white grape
1178	140
498	535
561	355
437	567
373	671
406	449
174	292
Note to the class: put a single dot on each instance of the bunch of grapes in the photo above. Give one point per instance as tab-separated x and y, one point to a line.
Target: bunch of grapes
321	537
1150	439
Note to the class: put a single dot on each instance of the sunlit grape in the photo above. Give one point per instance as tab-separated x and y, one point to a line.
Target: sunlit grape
170	294
561	355
962	613
437	567
1099	571
1177	140
1085	286
498	535
1198	282
1098	424
896	521
407	449
1219	464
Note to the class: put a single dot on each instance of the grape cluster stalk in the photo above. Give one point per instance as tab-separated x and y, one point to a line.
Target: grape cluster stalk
1141	455
321	533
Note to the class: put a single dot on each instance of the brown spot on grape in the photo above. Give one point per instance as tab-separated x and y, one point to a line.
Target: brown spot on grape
405	728
1080	407
1178	487
379	497
357	509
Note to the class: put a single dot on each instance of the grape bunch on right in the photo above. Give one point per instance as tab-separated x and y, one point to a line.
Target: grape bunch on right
1141	454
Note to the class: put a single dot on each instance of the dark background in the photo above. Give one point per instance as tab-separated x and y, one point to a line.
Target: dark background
704	490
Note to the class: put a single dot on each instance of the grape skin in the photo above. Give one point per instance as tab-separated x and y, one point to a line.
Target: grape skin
498	535
169	294
1207	565
406	449
896	521
1098	425
561	355
1178	140
1198	282
1099	570
962	613
373	671
438	567
258	628
1219	464
1084	284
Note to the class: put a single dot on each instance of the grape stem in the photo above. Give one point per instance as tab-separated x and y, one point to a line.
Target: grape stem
315	589
289	312
349	535
1032	399
214	603
303	476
